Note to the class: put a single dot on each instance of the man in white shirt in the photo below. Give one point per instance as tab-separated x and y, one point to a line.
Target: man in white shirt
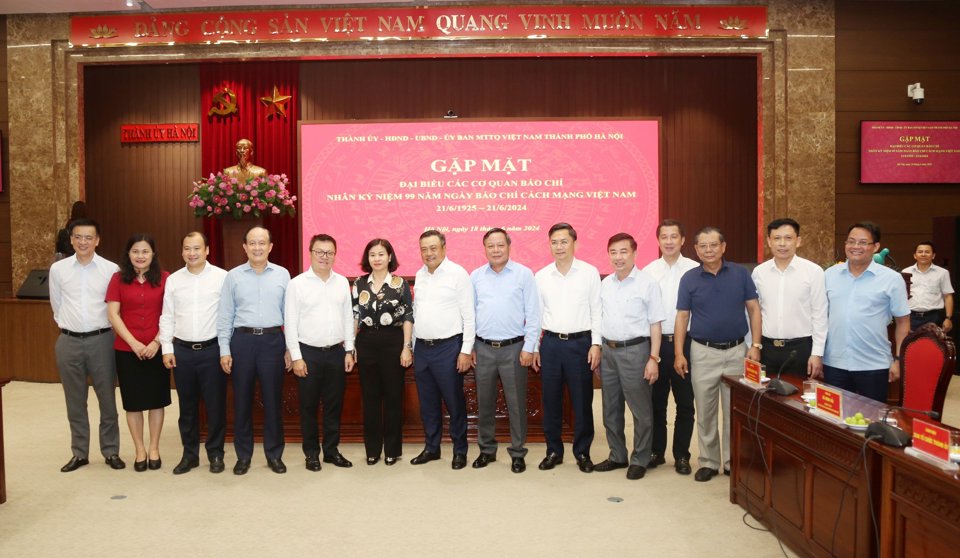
569	347
667	271
318	325
444	327
632	314
793	305
188	339
78	288
931	294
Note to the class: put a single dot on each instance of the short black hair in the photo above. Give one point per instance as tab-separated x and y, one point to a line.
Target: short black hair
494	231
707	230
365	261
671	223
621	236
436	233
777	223
563	227
323	238
926	243
84	222
869	226
202	236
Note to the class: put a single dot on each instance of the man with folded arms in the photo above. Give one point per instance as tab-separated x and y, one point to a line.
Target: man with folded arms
793	305
252	347
508	324
632	313
188	339
714	296
444	328
667	271
318	325
78	289
569	349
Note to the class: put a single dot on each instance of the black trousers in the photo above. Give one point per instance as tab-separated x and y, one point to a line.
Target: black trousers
564	363
775	358
257	358
381	384
326	381
682	389
935	317
199	377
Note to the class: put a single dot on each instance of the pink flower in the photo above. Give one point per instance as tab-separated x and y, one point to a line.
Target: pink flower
269	194
229	191
209	188
243	197
261	206
238	204
224	201
217	211
246	208
275	210
247	187
209	208
233	181
254	193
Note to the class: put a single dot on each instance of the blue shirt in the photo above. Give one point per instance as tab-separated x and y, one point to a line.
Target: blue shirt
630	306
860	309
507	304
250	299
716	302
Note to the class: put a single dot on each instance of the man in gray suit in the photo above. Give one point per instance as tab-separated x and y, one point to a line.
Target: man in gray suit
78	287
632	312
508	324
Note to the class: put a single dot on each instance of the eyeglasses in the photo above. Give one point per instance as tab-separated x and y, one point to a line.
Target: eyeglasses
323	253
711	246
858	243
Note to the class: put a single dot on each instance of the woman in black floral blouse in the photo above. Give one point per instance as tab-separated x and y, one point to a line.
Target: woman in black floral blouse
383	312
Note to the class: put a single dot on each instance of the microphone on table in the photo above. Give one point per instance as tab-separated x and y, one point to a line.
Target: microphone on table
781	387
891	435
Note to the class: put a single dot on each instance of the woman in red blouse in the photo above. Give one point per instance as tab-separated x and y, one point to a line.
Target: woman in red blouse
134	301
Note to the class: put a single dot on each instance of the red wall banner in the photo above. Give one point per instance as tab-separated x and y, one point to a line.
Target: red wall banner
431	22
905	152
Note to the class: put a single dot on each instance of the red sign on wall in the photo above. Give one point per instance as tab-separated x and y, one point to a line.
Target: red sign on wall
158	133
430	22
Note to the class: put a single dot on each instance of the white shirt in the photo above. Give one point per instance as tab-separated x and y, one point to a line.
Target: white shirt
668	277
78	293
793	302
928	287
190	302
318	313
443	304
630	306
570	303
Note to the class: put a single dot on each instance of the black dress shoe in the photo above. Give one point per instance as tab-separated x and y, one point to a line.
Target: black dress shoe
683	466
216	464
338	460
607	465
459	461
483	460
74	464
635	472
154	464
655	460
391	460
704	474
277	466
313	463
550	461
115	462
140	466
518	465
726	472
185	465
242	466
373	460
583	461
425	457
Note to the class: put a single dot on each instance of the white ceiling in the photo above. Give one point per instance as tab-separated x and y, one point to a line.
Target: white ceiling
86	6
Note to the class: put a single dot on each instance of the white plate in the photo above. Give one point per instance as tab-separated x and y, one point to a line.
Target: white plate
857	427
764	380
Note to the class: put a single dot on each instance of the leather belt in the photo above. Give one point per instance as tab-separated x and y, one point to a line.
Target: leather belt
668	338
781	343
499	344
627	343
325	349
722	346
259	330
84	334
432	342
922	313
566	336
195	345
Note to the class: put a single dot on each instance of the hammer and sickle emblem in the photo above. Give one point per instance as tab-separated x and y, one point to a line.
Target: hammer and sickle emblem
224	103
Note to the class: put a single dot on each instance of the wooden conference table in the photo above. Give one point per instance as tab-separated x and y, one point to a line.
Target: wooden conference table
817	485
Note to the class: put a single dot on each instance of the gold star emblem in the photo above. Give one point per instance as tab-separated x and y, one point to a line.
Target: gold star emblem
275	103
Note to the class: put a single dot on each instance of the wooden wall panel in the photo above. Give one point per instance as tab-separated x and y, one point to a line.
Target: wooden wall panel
708	106
140	187
881	47
6	258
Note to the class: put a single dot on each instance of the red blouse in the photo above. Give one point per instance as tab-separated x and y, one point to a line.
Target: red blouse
140	307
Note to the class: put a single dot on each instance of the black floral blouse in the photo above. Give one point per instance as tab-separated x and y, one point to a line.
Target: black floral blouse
392	306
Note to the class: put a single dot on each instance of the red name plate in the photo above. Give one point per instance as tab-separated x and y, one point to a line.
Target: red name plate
830	402
154	133
751	371
931	439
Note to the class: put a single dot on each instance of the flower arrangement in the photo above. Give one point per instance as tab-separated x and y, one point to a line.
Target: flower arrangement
221	195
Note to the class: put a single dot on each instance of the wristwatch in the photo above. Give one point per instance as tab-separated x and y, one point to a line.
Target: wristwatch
758	346
408	345
655	358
